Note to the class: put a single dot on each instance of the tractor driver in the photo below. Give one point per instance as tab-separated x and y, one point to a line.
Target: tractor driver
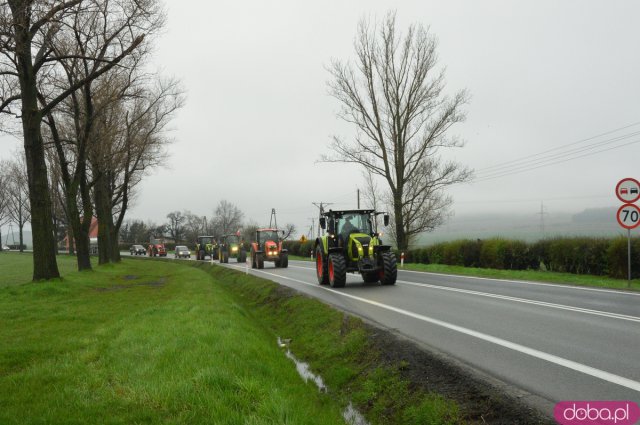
347	228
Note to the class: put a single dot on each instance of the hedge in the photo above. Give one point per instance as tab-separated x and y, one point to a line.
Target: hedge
577	255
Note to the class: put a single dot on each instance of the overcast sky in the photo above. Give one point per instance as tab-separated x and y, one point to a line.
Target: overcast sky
541	74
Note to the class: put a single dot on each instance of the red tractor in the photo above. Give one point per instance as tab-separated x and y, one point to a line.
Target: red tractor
268	247
156	248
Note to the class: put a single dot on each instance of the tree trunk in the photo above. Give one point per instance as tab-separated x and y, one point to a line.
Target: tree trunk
20	227
103	212
44	254
401	237
115	251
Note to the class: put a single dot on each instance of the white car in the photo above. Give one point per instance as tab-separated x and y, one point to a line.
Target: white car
5	248
182	251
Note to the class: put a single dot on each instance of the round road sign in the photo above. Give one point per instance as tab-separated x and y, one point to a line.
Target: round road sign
629	216
628	190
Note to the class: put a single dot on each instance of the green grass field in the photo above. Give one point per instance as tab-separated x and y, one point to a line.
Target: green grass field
141	342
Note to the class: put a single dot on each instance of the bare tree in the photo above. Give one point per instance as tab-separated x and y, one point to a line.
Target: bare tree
394	95
176	225
34	35
227	218
194	226
249	231
4	212
17	195
136	130
289	229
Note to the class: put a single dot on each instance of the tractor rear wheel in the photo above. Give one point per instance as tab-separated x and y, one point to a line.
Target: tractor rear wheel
260	260
337	271
254	263
388	272
284	261
321	267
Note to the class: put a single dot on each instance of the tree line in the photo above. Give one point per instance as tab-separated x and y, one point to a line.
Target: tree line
185	226
91	114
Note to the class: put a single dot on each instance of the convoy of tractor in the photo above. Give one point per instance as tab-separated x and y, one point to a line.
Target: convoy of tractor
206	246
231	246
268	247
350	243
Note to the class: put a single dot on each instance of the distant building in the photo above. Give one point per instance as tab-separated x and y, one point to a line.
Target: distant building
93	238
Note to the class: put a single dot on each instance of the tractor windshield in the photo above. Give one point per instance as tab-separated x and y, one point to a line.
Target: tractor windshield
269	235
353	223
206	240
233	239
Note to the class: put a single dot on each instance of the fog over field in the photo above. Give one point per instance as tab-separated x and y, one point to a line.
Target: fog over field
553	115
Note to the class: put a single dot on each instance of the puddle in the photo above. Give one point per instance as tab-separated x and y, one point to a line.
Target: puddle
350	414
353	417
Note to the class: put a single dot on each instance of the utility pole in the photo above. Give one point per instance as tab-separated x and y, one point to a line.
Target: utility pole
321	206
272	220
312	228
358	198
542	213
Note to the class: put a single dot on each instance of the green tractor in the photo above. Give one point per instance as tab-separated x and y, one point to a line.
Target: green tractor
231	246
206	246
352	244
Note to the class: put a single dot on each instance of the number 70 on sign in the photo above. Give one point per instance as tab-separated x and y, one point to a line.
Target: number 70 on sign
629	216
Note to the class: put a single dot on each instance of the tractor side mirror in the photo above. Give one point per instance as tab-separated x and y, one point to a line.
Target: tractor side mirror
323	223
386	220
332	227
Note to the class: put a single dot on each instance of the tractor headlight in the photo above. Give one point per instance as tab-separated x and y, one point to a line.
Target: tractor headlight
234	249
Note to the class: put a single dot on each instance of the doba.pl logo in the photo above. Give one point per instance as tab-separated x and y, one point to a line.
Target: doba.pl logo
596	412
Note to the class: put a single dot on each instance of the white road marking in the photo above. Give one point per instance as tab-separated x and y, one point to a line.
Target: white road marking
527	301
526	282
518	300
560	361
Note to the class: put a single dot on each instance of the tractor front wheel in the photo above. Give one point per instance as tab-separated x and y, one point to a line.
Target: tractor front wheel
260	261
321	267
337	271
284	261
388	272
201	254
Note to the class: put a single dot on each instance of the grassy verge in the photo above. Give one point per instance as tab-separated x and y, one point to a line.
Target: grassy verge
532	275
141	342
338	347
299	258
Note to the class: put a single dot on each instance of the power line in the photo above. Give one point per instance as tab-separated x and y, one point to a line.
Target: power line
559	147
529	167
555	156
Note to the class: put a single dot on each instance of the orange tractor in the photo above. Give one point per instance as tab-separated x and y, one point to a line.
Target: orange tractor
268	247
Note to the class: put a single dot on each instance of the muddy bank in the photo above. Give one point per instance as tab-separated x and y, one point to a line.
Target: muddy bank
482	400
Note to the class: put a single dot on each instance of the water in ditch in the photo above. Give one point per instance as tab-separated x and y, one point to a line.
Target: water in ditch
350	414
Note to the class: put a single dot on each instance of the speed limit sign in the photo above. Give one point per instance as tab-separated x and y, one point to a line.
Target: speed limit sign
629	216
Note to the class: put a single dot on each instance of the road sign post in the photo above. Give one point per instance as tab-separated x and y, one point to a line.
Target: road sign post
628	216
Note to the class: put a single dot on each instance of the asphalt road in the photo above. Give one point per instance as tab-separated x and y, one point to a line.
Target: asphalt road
553	341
